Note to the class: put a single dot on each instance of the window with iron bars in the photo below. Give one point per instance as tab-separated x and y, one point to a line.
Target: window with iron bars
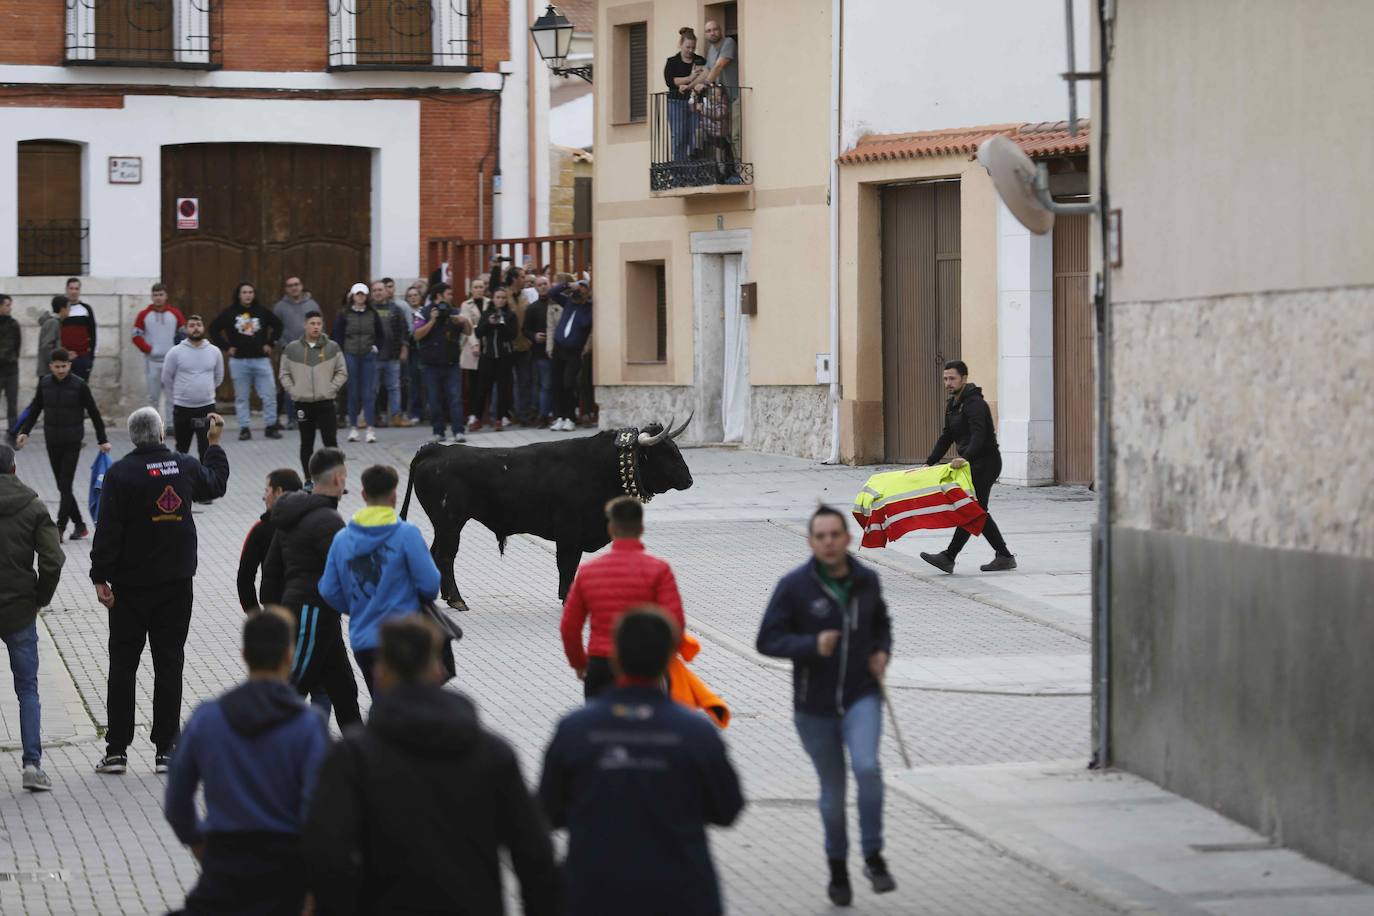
144	33
405	35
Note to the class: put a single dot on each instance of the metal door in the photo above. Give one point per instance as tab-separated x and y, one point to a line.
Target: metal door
1073	353
920	312
735	392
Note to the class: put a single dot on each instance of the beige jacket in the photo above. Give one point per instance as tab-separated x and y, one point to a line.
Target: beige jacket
473	313
313	373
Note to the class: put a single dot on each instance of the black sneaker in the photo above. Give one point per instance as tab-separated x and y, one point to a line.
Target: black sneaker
273	432
875	870
80	533
245	434
1000	562
839	890
162	762
112	764
941	561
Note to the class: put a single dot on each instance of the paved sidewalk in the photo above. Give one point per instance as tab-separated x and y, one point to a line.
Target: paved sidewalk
974	685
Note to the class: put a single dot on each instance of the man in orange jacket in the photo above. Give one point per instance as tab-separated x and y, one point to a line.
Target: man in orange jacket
608	586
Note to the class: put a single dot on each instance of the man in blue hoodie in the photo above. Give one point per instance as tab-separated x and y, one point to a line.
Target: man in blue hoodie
378	567
257	750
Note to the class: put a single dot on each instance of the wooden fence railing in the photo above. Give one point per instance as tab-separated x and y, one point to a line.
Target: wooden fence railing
469	259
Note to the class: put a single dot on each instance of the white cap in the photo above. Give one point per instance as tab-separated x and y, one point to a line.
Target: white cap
358	288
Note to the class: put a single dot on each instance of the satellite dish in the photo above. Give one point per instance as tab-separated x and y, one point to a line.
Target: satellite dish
1013	174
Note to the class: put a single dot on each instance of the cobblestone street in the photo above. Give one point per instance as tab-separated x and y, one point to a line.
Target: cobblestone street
973	684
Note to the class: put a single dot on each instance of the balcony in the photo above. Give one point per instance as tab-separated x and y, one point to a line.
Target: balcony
144	33
405	35
54	247
467	259
697	145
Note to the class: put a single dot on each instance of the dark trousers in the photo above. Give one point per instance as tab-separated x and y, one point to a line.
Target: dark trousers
472	393
599	678
161	616
183	430
525	395
567	365
586	391
312	416
495	378
322	661
63	458
985	474
252	872
83	365
9	380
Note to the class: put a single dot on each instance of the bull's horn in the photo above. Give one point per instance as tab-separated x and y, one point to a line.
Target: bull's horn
646	440
677	432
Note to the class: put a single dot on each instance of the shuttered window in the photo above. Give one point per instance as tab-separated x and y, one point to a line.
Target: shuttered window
639	70
661	313
646	312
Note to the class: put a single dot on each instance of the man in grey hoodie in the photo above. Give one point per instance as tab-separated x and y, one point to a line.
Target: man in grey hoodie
292	308
192	370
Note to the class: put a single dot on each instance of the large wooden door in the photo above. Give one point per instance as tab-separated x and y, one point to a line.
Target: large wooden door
920	308
1073	353
49	198
267	211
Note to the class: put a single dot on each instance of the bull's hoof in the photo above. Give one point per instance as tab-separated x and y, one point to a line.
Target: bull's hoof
458	604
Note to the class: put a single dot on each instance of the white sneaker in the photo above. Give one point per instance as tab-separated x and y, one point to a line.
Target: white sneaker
371	435
556	426
35	780
353	434
472	420
568	425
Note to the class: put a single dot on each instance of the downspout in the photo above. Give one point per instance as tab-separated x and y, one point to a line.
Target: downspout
836	50
532	226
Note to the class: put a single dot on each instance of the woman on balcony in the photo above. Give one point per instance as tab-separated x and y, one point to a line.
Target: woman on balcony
679	73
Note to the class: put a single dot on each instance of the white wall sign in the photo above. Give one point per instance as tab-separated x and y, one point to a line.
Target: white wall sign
188	212
126	170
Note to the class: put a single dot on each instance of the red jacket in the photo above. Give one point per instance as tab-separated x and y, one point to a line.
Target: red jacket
605	588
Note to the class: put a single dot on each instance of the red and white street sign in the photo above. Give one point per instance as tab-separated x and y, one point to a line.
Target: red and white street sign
188	212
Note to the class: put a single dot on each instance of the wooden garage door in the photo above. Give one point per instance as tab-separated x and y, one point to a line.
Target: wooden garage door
1073	353
920	290
49	203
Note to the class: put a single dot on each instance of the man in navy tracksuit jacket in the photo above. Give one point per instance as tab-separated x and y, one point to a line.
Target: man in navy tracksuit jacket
257	751
829	617
635	778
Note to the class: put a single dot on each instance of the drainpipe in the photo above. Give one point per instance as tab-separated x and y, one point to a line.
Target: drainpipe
531	165
836	49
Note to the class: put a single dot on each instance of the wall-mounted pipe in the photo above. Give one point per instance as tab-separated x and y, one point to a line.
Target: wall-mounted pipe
836	52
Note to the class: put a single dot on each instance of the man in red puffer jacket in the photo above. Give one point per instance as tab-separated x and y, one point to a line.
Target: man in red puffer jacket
607	587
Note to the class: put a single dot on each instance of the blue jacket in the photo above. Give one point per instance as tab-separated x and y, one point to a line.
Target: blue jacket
378	567
257	749
801	607
635	778
575	324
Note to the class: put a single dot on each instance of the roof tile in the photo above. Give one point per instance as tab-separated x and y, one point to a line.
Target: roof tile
1045	138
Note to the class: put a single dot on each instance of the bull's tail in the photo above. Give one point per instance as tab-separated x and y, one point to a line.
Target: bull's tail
501	544
425	451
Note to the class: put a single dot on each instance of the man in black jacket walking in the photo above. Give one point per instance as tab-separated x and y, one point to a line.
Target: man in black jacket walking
259	538
143	559
410	813
306	525
969	428
67	400
828	616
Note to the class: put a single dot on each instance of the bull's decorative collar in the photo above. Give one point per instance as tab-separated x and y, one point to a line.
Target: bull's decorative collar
629	457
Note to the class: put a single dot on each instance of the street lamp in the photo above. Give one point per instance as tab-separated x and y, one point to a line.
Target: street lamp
552	34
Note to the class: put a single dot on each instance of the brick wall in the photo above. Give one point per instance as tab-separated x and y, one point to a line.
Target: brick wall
31	31
454	136
258	34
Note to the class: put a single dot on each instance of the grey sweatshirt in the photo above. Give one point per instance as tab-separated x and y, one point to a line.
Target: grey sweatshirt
192	373
292	315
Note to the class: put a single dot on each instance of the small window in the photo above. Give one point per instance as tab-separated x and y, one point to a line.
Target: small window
630	101
582	204
646	301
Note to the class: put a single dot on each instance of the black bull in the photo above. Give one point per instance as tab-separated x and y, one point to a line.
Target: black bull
554	490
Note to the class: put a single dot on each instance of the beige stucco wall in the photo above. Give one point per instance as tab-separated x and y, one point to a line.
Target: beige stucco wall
1244	306
861	350
785	211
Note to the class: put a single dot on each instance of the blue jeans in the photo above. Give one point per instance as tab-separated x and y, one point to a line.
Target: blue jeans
251	375
543	383
362	387
23	648
682	122
825	739
389	376
444	389
416	383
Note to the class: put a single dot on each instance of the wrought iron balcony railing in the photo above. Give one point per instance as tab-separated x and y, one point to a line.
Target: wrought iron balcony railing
697	141
54	247
144	33
405	34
